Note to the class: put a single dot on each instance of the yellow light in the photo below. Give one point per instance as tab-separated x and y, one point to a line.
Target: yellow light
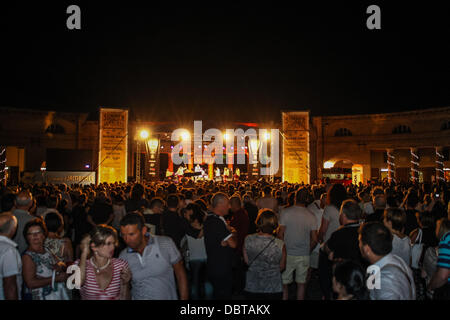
144	134
266	136
254	145
185	136
153	144
328	165
226	136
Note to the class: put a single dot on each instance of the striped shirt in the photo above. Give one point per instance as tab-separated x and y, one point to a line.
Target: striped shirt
90	289
444	253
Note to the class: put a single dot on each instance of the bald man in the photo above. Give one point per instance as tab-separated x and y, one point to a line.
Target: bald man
220	242
22	204
10	262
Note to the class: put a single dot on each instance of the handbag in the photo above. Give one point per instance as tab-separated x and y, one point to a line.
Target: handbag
58	290
247	266
416	251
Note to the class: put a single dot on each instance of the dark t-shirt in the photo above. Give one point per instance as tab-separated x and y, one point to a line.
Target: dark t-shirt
344	243
240	221
377	216
100	212
411	221
80	224
252	212
174	226
156	219
135	205
219	258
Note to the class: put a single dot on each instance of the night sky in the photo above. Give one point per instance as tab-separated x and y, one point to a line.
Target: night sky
225	61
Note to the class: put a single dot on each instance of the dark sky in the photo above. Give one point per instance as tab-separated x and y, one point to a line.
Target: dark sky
225	61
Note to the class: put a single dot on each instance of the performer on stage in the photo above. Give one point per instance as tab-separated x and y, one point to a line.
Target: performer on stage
197	169
226	173
180	172
237	174
217	171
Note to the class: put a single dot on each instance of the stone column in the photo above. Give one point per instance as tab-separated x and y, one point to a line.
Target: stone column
391	165
414	165
439	165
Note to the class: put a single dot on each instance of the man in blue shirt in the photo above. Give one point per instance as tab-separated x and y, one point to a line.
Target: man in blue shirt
441	277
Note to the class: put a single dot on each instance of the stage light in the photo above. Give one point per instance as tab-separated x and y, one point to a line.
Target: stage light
144	134
185	136
226	137
153	144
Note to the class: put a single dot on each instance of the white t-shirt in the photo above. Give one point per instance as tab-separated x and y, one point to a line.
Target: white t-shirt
318	213
331	214
10	264
299	223
402	248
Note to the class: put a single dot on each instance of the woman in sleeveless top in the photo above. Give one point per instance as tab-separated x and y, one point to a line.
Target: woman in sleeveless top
102	276
266	257
44	278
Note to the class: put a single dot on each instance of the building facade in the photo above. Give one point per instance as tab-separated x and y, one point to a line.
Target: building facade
398	146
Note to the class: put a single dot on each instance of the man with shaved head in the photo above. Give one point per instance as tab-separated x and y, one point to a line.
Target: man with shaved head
10	262
220	242
23	203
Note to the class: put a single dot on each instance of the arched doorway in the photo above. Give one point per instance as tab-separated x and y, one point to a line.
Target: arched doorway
338	171
343	171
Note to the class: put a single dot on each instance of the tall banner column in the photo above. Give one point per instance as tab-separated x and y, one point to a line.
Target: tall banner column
113	145
295	154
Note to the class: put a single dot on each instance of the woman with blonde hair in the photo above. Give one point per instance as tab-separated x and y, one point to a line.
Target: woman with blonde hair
102	276
265	256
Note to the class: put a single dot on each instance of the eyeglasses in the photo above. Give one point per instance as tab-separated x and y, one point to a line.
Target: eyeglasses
33	233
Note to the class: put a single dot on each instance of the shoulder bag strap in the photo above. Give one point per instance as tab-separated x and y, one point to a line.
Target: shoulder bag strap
261	251
419	237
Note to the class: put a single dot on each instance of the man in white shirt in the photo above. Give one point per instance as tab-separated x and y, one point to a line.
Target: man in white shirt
298	230
10	262
396	281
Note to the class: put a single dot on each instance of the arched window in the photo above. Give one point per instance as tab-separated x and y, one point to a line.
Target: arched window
343	132
401	129
55	129
445	126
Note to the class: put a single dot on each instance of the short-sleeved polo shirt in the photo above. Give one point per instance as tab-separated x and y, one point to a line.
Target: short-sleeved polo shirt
152	272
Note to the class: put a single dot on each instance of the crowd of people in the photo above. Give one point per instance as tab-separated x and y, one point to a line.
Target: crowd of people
217	240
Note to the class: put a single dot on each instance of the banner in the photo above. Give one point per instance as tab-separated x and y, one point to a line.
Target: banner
58	177
113	145
296	147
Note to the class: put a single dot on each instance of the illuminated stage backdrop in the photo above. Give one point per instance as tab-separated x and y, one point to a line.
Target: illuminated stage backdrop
113	145
296	146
